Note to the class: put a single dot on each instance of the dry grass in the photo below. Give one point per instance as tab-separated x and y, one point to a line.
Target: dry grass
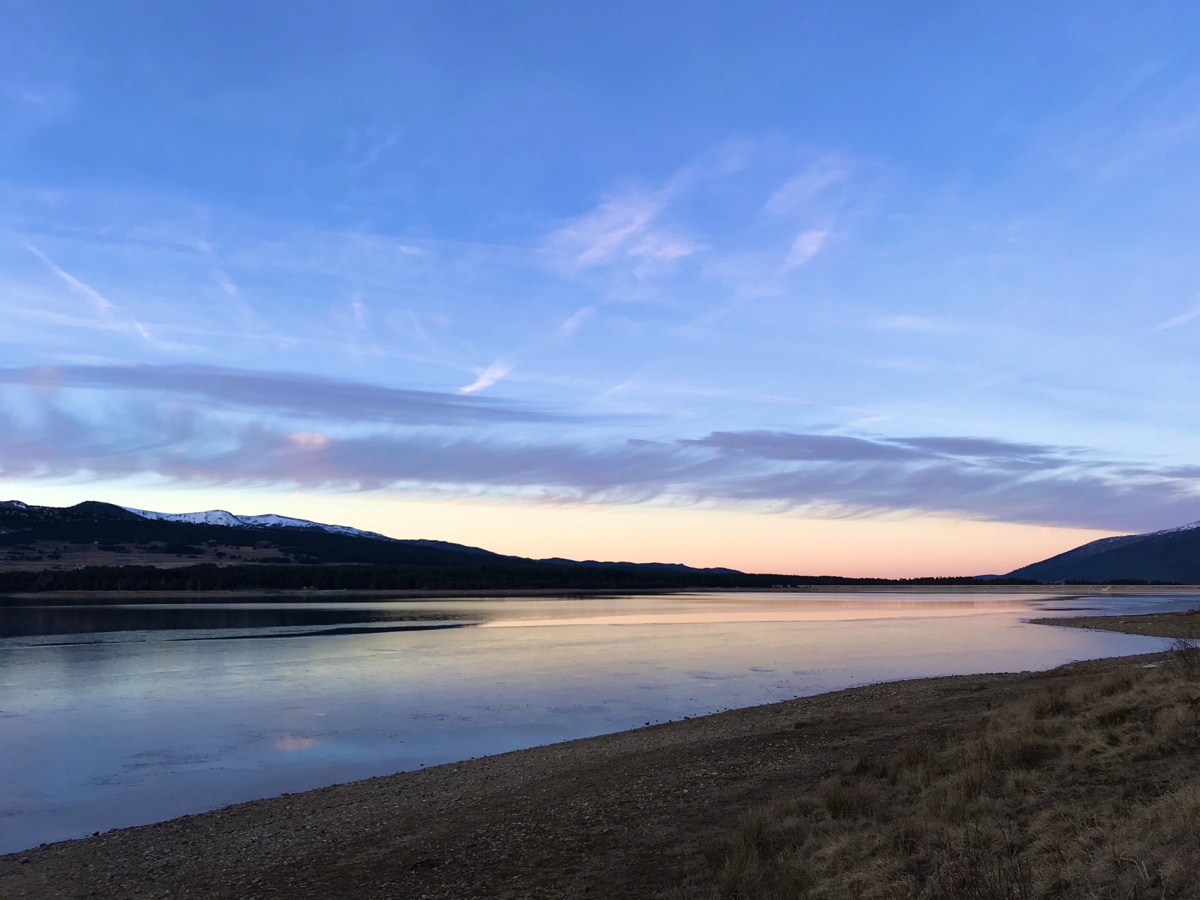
1088	789
1184	657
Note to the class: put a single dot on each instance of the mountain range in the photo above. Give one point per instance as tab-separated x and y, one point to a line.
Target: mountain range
142	549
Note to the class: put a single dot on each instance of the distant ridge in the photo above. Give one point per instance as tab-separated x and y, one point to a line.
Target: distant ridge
93	547
93	533
1170	555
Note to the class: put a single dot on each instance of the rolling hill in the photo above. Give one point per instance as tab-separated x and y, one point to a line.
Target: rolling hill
1172	555
56	537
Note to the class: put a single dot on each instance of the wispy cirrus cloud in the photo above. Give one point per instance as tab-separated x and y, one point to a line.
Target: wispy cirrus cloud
99	301
575	321
903	322
366	148
301	396
783	445
797	194
624	227
488	377
103	306
1182	319
805	248
612	228
662	247
985	448
629	224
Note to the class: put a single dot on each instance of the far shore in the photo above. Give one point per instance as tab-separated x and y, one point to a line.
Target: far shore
50	598
626	815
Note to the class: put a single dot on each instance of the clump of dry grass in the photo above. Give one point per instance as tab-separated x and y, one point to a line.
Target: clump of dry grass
1088	789
1184	656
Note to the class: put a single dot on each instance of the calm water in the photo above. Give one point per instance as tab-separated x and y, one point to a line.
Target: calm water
115	716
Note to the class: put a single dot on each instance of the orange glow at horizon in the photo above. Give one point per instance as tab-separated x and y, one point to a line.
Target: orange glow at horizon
779	543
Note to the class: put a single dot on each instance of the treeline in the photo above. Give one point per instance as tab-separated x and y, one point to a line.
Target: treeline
210	577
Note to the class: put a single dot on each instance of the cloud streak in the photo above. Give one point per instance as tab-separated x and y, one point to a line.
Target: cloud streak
103	304
797	193
625	227
610	228
574	322
302	396
825	474
1181	319
805	248
488	377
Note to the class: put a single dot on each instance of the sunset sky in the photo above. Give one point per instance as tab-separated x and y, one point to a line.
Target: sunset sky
825	288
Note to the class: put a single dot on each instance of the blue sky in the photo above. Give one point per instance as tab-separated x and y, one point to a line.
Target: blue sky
835	275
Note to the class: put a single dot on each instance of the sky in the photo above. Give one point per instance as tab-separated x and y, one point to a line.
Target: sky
825	288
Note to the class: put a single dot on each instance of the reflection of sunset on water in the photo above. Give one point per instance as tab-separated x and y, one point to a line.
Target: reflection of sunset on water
802	611
289	743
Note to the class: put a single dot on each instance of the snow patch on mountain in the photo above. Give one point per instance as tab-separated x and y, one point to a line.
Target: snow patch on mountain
1190	527
270	520
1105	544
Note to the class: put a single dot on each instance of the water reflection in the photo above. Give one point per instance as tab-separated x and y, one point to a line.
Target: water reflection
42	621
269	619
114	716
780	610
289	743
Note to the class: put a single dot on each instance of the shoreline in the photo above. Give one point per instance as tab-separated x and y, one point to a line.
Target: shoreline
620	815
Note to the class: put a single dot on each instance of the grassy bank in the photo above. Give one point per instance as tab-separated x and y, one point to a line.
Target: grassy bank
1087	788
1089	791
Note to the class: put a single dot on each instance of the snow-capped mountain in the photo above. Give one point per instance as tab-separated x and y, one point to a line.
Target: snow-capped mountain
1172	554
270	520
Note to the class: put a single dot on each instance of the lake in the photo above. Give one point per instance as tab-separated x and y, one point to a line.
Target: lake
122	715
